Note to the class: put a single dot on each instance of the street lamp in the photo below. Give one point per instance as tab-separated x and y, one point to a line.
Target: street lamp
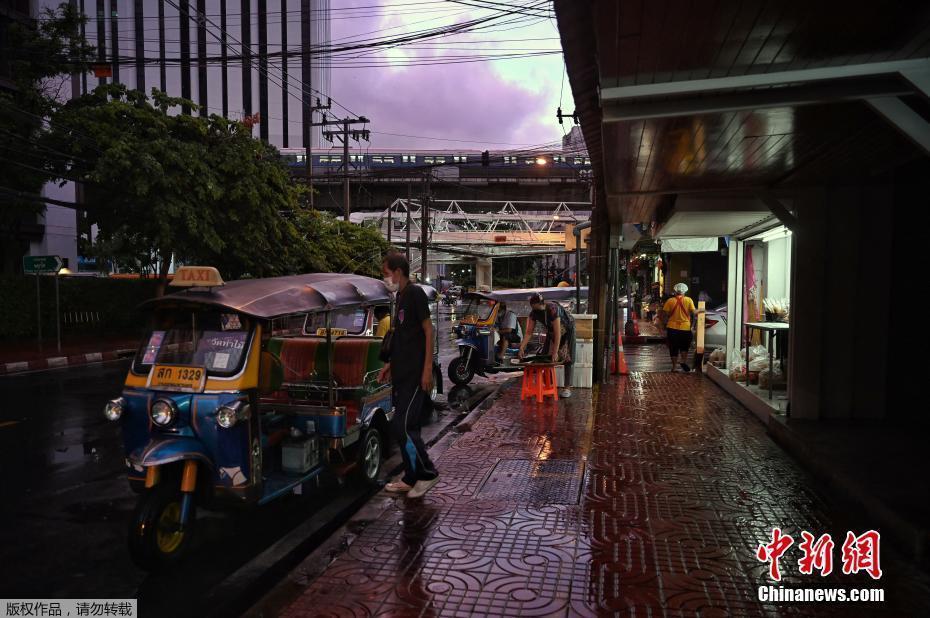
63	272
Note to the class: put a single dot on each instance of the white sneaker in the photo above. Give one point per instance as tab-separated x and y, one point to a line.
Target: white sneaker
421	487
565	393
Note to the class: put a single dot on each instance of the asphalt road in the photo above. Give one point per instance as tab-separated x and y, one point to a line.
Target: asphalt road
65	503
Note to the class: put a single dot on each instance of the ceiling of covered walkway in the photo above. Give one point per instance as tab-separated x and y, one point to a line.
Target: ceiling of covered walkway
754	98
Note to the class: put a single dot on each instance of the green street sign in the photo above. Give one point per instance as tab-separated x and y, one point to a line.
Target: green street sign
41	264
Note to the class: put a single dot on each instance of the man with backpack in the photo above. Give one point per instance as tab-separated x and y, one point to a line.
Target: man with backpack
560	334
676	314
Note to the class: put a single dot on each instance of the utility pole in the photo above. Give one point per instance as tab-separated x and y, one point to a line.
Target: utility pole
424	227
345	169
309	154
344	135
409	221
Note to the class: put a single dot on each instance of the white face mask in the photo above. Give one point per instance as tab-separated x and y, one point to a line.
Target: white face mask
389	283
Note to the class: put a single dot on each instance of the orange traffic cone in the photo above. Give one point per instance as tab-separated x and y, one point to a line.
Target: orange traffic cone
622	370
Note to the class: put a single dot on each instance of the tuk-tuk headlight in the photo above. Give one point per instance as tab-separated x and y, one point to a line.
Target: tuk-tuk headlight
228	415
114	409
163	413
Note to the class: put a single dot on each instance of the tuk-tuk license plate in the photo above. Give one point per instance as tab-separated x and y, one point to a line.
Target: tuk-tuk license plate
178	378
336	332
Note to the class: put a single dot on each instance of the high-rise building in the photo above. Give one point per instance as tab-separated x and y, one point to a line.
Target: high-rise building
234	58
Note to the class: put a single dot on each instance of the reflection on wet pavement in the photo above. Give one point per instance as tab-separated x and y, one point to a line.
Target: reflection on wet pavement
678	487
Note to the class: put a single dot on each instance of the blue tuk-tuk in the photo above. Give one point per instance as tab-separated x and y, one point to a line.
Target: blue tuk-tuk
245	391
478	334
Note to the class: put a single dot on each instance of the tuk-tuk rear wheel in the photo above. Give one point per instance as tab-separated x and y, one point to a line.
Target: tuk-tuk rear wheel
460	372
371	449
155	541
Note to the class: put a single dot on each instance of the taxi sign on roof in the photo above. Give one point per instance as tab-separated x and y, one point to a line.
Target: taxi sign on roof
197	276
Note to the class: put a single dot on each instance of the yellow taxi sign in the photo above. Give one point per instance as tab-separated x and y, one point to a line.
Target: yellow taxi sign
197	276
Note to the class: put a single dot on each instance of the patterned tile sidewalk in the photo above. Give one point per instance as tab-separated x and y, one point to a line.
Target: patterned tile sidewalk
644	497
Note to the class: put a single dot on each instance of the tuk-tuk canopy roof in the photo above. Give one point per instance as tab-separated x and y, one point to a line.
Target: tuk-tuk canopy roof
518	294
278	296
431	293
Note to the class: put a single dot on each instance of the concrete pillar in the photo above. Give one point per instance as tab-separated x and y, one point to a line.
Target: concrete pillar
483	272
840	299
807	306
735	298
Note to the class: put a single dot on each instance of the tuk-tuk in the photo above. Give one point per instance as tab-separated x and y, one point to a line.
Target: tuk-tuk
246	391
478	333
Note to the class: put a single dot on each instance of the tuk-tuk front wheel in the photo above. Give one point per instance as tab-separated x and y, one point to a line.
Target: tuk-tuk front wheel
371	450
460	371
156	540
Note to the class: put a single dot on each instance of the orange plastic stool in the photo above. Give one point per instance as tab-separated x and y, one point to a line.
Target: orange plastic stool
539	381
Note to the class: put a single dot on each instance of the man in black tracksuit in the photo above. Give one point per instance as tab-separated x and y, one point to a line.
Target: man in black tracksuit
411	373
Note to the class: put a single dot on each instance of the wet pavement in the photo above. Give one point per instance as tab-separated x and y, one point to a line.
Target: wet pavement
647	496
649	357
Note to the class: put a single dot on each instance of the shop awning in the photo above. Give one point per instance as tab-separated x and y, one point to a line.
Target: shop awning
698	217
689	245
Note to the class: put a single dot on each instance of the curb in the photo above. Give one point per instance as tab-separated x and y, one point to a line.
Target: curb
60	362
466	424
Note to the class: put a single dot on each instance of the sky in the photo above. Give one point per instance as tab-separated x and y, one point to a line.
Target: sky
498	104
486	105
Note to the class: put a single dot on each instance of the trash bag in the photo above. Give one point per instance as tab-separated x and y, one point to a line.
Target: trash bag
737	357
759	363
738	373
758	351
774	377
718	355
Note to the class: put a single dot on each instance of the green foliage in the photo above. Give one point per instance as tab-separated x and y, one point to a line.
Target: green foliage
337	246
158	183
162	184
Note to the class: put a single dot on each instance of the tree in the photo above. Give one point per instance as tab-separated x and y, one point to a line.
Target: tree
161	184
338	246
39	59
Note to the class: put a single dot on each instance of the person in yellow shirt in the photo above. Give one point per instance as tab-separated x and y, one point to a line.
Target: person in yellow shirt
383	316
678	312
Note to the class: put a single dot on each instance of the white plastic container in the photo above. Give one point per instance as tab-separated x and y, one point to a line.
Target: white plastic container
299	455
582	375
584	325
584	351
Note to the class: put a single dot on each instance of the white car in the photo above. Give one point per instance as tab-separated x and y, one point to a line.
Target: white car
715	327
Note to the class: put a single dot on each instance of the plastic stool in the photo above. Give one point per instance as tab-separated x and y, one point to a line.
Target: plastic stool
539	381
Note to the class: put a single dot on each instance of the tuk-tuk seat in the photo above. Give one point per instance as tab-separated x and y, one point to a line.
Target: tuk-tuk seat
299	358
354	359
304	361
